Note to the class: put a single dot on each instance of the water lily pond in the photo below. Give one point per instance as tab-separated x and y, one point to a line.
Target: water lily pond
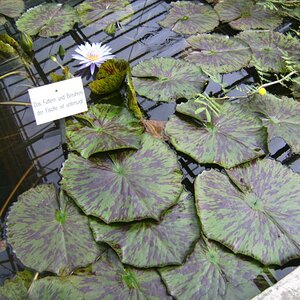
181	180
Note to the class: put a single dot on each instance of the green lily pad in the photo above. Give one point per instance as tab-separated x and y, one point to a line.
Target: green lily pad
281	117
104	127
112	280
216	53
16	287
296	88
11	9
254	210
244	15
102	13
47	20
126	185
149	244
48	233
110	76
187	17
233	137
167	79
212	272
268	46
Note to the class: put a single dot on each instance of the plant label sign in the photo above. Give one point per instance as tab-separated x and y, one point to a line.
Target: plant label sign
58	100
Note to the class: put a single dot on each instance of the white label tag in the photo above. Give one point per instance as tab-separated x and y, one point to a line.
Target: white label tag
58	100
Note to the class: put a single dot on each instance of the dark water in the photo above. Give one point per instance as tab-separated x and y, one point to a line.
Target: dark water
31	154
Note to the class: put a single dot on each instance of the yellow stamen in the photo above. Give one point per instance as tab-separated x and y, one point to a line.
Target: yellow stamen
92	56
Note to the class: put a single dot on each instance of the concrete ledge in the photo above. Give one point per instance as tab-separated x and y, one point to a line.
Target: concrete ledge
288	288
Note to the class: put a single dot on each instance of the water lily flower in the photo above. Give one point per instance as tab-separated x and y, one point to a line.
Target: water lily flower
92	55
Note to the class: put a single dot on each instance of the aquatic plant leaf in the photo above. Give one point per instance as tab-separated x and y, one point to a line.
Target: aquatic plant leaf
112	280
217	53
296	88
48	233
16	287
268	47
47	20
212	272
103	13
126	185
254	210
11	8
110	76
104	127
187	17
233	137
150	244
6	50
281	117
155	128
245	15
167	79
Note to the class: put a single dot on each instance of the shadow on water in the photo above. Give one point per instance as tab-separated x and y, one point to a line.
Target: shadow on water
31	154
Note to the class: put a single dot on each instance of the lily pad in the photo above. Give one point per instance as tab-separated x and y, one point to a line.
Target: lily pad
281	117
217	53
212	272
233	137
48	233
268	47
110	77
125	186
11	9
16	287
254	210
167	79
187	17
102	13
104	127
47	20
149	244
244	15
112	280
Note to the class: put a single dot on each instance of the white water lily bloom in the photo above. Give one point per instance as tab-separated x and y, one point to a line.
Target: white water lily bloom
92	55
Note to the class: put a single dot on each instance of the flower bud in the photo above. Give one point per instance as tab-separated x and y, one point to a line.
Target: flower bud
262	91
26	42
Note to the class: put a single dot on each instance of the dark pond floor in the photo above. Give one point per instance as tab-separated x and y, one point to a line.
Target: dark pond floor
31	154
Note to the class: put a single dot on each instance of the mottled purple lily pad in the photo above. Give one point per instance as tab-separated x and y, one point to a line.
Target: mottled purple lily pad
244	15
47	20
48	233
233	137
11	9
111	280
212	272
253	210
125	185
102	13
150	244
281	117
167	79
16	288
216	53
268	47
187	17
104	127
